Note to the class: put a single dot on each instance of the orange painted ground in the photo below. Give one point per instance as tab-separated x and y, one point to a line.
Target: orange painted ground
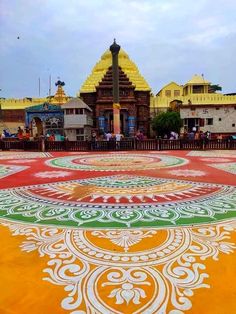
48	267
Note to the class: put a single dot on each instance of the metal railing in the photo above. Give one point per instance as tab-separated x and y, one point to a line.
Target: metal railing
124	145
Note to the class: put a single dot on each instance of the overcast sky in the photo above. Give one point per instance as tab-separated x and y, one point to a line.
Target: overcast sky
169	40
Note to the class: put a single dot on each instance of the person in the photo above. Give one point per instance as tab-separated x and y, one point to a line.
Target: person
3	135
118	138
108	136
93	139
197	135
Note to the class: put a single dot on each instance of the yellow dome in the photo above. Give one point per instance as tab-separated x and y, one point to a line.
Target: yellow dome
197	79
100	69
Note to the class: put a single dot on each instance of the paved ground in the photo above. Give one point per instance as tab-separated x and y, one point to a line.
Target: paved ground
140	232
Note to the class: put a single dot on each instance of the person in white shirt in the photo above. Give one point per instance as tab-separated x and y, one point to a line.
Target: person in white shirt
118	138
108	136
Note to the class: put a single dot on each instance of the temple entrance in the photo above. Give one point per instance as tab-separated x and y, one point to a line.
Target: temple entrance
109	122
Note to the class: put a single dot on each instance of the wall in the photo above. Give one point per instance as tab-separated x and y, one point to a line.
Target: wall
227	114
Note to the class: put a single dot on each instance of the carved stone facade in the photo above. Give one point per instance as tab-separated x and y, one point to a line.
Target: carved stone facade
134	113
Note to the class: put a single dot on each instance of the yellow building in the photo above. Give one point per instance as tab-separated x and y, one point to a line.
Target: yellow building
200	107
196	91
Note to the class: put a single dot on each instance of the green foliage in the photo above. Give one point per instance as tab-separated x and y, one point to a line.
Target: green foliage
214	88
166	122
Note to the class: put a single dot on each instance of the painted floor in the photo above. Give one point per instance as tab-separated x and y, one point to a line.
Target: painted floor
120	232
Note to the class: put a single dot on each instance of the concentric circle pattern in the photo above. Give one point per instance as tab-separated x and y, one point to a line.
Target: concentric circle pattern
118	233
119	201
117	162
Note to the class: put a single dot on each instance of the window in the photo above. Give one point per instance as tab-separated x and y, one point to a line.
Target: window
217	108
233	125
219	119
168	93
69	111
209	121
198	89
176	93
80	134
79	131
79	111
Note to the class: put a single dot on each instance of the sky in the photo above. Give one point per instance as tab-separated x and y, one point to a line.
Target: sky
169	40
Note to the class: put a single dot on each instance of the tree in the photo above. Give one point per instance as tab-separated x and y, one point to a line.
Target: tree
214	88
166	122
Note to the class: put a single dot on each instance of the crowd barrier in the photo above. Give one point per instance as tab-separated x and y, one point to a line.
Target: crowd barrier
124	145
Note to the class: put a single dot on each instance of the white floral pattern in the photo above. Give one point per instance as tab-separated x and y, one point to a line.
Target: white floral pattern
52	174
187	173
163	275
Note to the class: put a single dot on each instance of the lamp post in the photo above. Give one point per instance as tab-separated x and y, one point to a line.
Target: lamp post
114	48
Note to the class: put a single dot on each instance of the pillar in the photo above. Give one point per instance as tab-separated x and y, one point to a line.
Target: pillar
114	48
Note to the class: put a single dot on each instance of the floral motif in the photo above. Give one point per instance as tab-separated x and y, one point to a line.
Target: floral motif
52	174
128	282
187	173
119	201
165	275
124	238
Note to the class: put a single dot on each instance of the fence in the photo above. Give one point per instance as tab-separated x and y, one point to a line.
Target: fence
124	145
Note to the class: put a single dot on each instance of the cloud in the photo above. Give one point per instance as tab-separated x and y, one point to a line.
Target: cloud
168	40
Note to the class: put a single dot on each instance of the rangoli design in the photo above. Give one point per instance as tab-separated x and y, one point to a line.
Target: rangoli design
213	153
7	170
52	174
105	272
187	173
23	155
228	167
117	162
119	242
119	201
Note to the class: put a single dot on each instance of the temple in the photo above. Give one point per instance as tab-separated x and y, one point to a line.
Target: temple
200	104
33	111
134	96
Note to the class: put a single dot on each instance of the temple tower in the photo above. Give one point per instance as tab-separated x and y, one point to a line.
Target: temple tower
133	95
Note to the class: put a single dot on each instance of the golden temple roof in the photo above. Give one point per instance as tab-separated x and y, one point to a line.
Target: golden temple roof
127	65
60	96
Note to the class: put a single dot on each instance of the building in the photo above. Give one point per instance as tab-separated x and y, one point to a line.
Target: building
199	106
44	119
78	120
13	111
134	96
